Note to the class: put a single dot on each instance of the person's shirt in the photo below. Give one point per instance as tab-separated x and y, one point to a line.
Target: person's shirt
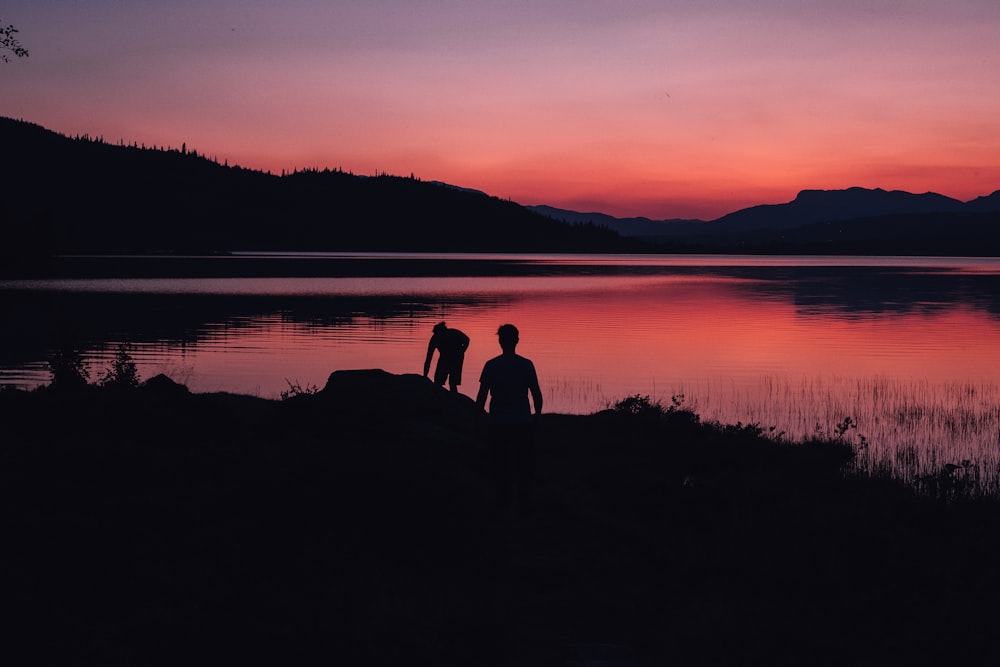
509	379
450	342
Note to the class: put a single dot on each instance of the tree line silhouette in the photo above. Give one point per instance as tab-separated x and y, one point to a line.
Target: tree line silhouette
83	194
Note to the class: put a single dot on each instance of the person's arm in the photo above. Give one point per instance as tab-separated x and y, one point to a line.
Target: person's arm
484	386
430	353
536	392
463	343
484	390
536	397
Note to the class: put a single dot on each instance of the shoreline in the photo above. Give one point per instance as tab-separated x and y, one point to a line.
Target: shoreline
357	524
363	264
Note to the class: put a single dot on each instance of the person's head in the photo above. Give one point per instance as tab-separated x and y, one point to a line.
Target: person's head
508	335
440	327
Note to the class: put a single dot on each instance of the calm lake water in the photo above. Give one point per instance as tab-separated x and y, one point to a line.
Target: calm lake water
908	348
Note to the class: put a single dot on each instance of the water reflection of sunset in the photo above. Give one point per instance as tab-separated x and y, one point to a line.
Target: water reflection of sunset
647	335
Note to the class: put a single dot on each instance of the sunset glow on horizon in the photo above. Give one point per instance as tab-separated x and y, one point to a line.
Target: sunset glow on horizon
661	109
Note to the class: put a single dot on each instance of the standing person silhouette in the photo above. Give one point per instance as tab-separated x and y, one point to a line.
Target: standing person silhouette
451	345
508	380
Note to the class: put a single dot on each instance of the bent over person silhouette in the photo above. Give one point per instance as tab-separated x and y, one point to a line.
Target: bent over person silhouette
451	345
508	380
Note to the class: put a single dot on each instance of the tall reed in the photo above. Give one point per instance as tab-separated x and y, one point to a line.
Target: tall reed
919	431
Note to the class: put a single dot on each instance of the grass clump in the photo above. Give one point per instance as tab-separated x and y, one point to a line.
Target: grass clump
295	388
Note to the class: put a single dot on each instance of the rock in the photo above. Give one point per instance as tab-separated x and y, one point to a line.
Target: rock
161	384
381	395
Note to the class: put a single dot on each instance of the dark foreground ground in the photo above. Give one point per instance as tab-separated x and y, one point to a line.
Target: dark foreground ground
357	527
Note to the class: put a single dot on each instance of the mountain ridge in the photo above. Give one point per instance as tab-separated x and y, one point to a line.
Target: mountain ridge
65	195
810	206
852	221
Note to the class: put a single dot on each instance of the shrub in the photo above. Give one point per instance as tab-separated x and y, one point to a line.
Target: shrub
123	373
68	368
639	406
645	410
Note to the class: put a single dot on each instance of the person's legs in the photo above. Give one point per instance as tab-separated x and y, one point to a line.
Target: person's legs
512	449
524	468
440	372
453	370
502	460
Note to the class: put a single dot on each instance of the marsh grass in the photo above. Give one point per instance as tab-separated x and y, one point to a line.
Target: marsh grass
941	437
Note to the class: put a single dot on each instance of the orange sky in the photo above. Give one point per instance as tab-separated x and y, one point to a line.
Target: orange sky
663	109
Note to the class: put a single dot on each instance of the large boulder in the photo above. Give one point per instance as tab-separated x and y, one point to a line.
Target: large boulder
367	403
380	395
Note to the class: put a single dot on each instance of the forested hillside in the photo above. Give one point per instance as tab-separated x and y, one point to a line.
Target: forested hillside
84	194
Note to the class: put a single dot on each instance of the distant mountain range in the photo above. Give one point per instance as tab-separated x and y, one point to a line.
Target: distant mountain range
821	217
85	195
633	227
